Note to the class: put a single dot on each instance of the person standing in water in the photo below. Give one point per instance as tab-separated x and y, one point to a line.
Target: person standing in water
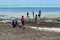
36	18
22	20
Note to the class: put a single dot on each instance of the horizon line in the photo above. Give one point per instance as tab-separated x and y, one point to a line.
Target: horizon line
29	5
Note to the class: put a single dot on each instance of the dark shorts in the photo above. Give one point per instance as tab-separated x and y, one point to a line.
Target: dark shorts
14	25
23	23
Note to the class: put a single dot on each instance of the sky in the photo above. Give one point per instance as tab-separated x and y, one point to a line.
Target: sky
29	3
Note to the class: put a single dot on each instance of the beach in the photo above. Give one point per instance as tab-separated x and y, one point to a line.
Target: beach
29	33
8	33
29	19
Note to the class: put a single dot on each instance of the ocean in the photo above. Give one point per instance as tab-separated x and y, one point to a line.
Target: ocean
51	12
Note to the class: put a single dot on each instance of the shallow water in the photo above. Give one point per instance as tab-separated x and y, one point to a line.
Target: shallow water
47	29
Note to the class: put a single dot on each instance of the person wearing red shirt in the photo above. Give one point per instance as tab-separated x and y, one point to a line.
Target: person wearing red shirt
22	20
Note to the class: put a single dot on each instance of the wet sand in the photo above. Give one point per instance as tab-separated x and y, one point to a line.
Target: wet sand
43	24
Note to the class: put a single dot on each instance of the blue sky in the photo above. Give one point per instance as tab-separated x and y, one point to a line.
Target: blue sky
28	3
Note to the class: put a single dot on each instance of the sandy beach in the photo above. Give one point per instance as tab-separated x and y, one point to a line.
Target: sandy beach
8	33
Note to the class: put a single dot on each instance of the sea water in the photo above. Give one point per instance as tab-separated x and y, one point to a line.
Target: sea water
19	11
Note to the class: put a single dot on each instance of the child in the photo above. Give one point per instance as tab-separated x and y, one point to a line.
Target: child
19	23
14	23
22	20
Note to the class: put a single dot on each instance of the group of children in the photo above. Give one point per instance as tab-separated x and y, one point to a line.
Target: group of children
19	23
